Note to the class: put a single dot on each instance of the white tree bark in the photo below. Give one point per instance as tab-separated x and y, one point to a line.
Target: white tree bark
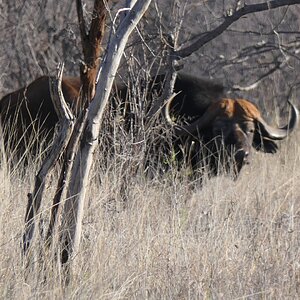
73	210
66	121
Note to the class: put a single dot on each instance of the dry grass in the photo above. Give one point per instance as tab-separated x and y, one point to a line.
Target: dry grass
227	240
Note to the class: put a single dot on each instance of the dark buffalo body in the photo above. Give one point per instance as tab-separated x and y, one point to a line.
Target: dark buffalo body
215	133
208	130
30	110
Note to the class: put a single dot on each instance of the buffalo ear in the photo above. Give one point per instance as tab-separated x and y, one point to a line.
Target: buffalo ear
264	144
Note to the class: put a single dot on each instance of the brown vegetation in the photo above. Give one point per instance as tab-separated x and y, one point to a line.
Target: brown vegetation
164	238
226	240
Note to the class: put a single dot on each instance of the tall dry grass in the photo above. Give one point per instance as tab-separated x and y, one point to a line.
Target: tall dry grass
165	240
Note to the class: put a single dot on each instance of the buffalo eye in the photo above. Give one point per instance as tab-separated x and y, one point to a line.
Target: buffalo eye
250	130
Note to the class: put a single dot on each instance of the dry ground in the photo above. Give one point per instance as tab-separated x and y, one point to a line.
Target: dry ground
227	240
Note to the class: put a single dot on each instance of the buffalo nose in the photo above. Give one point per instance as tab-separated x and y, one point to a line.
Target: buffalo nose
246	157
241	156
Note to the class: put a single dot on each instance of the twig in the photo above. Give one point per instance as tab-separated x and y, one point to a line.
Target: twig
229	20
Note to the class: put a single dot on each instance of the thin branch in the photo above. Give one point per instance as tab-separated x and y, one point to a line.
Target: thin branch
229	20
260	33
81	21
254	85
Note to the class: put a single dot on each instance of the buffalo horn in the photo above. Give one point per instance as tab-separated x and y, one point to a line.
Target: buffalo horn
280	133
201	122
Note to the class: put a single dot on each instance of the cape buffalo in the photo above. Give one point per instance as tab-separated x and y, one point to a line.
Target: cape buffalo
208	129
224	133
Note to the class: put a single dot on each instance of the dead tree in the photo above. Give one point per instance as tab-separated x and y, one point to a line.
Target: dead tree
92	50
67	137
74	207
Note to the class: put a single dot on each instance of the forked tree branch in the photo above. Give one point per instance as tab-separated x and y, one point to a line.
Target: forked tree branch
66	121
229	20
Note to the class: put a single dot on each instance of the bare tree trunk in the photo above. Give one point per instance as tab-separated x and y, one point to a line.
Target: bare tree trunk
73	210
66	123
64	177
91	47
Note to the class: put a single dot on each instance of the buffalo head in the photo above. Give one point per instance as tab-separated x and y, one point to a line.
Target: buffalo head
235	126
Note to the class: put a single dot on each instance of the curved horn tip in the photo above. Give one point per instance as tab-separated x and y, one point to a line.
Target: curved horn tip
295	116
283	132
